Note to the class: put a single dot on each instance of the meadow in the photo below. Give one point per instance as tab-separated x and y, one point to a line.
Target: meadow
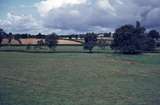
71	76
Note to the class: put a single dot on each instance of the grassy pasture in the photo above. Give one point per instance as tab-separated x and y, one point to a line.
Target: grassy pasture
59	49
78	78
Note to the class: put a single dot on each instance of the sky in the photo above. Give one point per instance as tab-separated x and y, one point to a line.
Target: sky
76	16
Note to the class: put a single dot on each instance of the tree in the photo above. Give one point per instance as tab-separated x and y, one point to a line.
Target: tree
154	34
40	43
107	34
40	36
149	44
70	37
129	39
10	37
17	37
51	40
2	34
1	39
102	43
90	41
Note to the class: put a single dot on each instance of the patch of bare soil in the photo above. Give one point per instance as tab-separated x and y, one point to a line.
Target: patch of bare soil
68	42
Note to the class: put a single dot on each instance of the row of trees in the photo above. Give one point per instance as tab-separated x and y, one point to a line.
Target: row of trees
43	36
8	36
50	40
128	39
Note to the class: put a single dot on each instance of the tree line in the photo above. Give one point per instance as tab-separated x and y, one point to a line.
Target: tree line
127	39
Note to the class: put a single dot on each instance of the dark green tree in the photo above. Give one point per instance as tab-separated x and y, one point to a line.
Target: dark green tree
40	36
149	44
129	39
107	34
1	39
18	38
10	37
90	41
2	34
51	41
154	34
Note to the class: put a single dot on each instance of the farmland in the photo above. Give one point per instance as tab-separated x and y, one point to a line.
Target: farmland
79	52
33	41
78	78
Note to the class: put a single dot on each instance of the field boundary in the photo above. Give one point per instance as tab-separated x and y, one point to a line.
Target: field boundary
40	45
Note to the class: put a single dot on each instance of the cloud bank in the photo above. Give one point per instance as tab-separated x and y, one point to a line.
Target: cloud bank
68	16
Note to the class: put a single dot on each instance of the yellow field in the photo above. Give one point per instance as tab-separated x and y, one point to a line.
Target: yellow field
34	41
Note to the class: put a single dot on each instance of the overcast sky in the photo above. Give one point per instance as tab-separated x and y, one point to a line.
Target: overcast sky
76	16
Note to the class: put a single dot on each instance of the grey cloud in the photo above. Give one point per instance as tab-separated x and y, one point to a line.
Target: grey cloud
89	16
152	19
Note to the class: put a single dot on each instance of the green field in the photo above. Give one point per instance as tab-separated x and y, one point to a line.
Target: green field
101	78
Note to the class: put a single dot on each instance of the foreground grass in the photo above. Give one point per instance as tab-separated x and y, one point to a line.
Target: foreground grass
79	79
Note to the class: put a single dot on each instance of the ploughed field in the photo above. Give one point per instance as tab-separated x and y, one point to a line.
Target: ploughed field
101	78
34	41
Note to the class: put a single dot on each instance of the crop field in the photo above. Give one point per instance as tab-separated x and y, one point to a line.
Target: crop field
78	78
35	41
